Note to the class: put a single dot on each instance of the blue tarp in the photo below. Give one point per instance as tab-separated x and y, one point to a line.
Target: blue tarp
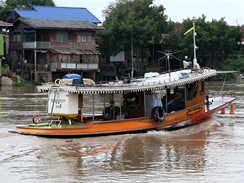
72	76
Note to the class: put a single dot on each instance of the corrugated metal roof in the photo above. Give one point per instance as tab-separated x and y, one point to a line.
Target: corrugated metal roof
60	24
58	13
5	24
69	51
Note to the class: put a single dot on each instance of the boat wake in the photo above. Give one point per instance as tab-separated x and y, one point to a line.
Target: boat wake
185	131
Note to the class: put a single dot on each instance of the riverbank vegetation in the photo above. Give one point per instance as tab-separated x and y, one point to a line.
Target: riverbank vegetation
22	80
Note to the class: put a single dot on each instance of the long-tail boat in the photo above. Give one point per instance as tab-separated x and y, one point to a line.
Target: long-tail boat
79	107
155	102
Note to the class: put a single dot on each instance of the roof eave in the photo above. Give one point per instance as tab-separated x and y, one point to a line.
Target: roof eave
59	28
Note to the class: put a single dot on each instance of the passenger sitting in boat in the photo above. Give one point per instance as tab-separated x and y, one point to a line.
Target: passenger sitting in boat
176	104
156	99
111	112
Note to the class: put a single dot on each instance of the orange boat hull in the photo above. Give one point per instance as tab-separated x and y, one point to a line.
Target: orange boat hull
186	117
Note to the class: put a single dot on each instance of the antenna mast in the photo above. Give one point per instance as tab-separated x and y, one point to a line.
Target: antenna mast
167	56
132	67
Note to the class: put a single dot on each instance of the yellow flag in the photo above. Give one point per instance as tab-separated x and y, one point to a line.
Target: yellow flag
189	30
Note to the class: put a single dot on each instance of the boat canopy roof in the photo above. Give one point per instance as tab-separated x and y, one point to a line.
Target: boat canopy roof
154	83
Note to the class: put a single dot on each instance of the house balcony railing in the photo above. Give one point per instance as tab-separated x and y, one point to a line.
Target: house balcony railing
36	45
73	66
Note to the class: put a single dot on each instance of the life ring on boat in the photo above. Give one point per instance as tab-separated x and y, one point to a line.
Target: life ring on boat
158	114
57	81
37	119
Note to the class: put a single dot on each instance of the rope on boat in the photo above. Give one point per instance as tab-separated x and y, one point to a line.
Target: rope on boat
53	101
39	119
223	86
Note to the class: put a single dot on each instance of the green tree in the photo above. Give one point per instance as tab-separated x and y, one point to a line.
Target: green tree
7	6
215	40
139	21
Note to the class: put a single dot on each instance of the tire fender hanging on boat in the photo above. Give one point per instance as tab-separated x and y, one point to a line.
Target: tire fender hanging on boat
37	119
158	114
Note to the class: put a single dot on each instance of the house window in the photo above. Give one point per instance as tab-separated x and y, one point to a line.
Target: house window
62	36
78	37
17	37
29	35
84	37
64	58
88	59
88	37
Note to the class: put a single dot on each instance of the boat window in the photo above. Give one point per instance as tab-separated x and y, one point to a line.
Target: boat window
202	87
191	90
133	105
175	99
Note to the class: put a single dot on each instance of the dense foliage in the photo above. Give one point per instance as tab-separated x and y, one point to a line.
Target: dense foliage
216	41
127	21
6	6
22	80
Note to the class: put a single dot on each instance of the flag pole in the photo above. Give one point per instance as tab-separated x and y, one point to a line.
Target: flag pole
194	45
132	51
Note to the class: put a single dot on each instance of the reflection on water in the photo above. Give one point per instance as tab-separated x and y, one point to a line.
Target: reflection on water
153	154
209	152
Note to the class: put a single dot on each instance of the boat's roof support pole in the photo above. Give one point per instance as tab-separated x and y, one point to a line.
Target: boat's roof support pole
93	107
185	94
120	111
145	103
112	97
104	101
49	93
54	98
166	100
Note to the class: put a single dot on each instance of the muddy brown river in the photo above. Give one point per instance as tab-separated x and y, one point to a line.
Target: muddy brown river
209	152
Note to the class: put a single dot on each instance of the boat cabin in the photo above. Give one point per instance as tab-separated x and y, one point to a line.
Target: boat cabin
87	105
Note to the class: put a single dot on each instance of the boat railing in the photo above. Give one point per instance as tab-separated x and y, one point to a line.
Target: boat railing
128	81
161	80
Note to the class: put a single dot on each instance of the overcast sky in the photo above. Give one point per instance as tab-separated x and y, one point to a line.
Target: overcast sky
177	10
